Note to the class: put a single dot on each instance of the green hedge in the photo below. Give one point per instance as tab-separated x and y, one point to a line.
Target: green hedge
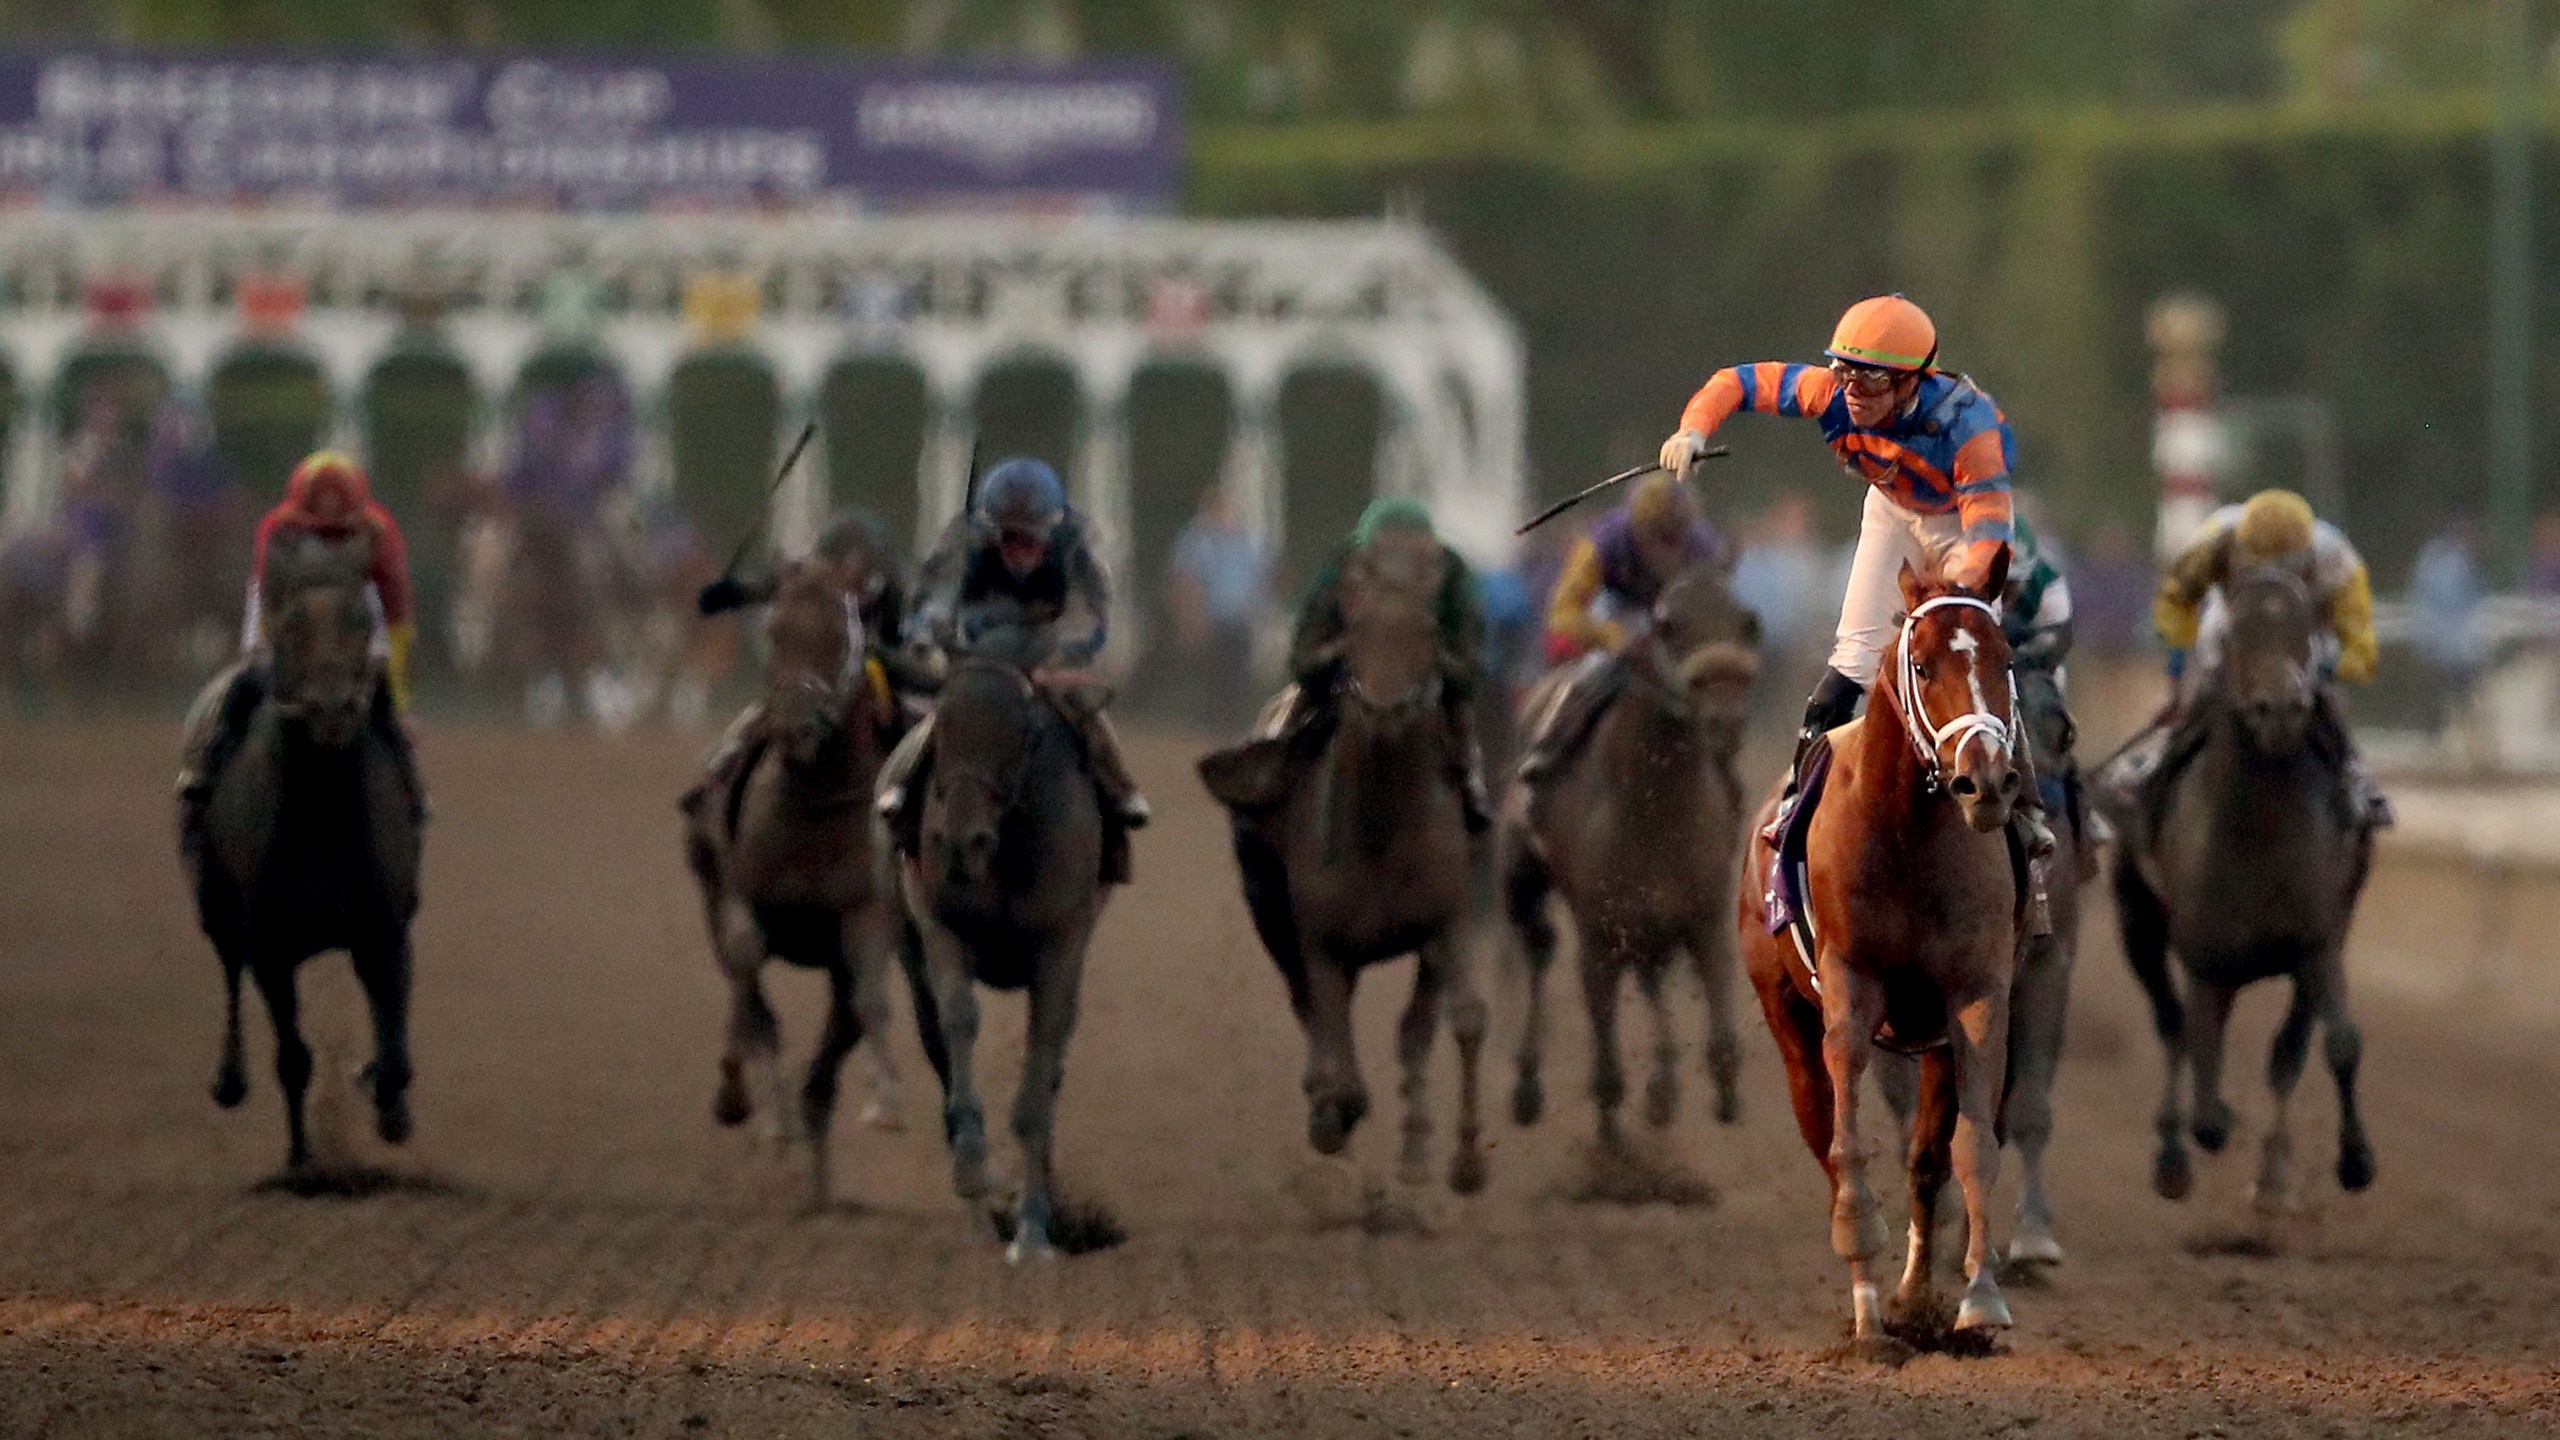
2351	251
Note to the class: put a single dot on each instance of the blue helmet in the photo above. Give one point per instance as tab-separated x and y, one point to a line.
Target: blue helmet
1022	496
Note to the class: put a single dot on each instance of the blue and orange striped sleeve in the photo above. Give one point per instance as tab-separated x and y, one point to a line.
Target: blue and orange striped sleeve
1771	387
1982	502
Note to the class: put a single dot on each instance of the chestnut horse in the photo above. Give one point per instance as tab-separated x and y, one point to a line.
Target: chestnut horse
1638	833
1915	895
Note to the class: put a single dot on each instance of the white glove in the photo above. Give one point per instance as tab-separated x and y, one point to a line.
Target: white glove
1682	452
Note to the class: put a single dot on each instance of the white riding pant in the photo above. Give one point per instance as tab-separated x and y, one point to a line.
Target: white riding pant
1888	536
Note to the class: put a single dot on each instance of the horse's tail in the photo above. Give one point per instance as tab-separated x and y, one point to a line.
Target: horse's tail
2146	948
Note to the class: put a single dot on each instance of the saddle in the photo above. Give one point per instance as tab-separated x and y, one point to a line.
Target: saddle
1787	898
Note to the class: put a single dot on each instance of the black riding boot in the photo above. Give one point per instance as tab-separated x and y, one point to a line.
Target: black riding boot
1467	766
1568	722
1834	703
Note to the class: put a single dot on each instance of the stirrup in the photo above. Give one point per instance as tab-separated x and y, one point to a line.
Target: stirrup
2036	833
892	802
1135	812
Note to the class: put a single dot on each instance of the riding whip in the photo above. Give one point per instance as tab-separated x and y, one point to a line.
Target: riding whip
1622	477
738	557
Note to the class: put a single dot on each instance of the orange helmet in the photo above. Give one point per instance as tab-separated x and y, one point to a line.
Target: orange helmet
329	488
1887	332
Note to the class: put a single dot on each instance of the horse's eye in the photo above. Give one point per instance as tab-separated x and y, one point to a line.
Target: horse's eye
1924	671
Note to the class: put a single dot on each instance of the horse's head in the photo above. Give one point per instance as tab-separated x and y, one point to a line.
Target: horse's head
1950	677
1392	668
1701	654
319	633
813	670
2269	676
983	729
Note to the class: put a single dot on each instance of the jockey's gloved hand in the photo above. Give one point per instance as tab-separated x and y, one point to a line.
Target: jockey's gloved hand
721	595
1834	701
1682	452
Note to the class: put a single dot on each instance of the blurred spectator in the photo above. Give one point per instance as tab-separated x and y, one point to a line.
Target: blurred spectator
100	481
1781	575
1216	590
2542	557
2444	596
2111	590
575	447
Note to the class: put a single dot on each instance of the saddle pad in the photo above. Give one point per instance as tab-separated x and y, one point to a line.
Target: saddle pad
1785	896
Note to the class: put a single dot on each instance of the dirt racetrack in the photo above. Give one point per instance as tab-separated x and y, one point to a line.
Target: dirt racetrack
578	1251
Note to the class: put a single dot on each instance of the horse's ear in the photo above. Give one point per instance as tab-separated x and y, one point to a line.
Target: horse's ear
1997	584
1913	590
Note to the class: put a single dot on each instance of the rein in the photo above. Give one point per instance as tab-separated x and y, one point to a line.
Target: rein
1977	723
1005	786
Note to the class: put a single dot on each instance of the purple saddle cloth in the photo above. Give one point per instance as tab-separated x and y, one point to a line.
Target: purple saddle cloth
1785	896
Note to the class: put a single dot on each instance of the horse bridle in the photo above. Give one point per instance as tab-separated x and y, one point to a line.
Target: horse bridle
836	699
1005	788
1977	723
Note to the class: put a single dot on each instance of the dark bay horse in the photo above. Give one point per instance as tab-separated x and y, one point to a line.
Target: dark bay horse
1915	894
1368	859
311	839
1639	835
2249	866
1004	888
788	861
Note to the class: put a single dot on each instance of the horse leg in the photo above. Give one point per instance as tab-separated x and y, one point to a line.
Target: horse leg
2285	1059
1415	1030
383	971
1058	977
1336	1100
886	1109
2213	1119
293	1057
1711	950
955	1005
2345	1046
1662	1088
844	1030
2038	1003
1525	889
1467	1022
2145	924
1852	1008
231	1075
754	1035
1600	963
1978	1054
1931	1162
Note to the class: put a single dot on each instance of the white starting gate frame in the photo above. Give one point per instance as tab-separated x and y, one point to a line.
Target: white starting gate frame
953	296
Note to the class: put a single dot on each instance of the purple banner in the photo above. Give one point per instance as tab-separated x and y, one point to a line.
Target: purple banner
92	129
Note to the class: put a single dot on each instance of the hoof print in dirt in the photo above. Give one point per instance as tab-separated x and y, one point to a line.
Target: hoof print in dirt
1632	1176
1079	1227
2233	1244
352	1182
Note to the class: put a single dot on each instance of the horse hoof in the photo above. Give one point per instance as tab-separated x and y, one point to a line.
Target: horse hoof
2213	1129
2171	1176
1467	1172
1985	1310
2036	1247
1028	1247
882	1115
391	1120
230	1087
1330	1122
1528	1102
1661	1100
1728	1104
2355	1168
730	1107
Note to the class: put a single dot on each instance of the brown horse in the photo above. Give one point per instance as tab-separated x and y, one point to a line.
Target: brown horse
1639	833
1915	895
1367	858
788	860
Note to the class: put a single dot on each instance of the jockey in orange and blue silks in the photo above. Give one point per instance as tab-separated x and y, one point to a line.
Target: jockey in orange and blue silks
1933	449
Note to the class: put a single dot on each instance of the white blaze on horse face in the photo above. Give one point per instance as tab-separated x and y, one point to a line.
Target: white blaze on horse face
1963	643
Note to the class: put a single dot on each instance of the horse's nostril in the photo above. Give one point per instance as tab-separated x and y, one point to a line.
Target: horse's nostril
2009	782
1962	786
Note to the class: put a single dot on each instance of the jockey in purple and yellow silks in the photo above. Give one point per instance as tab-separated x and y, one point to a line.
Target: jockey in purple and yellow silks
1603	599
1934	451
